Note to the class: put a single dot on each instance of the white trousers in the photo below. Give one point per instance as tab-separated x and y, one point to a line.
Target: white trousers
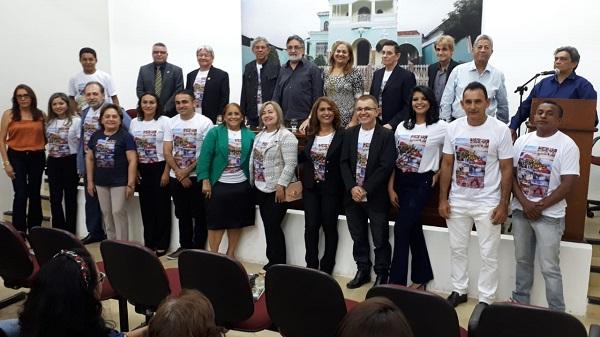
459	225
112	203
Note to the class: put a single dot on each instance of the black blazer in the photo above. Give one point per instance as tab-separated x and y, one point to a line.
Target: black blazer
432	71
333	183
268	78
382	154
172	81
396	94
216	91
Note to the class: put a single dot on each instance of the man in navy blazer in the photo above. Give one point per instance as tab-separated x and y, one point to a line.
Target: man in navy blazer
391	86
210	85
367	159
439	72
259	80
170	79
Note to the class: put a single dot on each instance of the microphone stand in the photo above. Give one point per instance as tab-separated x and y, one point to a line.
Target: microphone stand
521	90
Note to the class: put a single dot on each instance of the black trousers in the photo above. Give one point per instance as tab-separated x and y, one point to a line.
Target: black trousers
189	210
414	190
320	209
155	206
27	202
62	182
360	217
272	215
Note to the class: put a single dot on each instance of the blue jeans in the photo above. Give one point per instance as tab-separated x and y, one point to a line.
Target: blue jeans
542	235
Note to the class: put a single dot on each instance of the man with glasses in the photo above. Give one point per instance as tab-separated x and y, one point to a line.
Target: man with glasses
300	83
162	78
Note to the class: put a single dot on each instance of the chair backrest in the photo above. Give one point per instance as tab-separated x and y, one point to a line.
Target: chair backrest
16	265
304	302
223	281
135	273
46	242
421	309
517	320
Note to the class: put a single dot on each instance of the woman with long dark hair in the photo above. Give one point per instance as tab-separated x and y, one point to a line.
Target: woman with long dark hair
419	142
322	182
148	131
62	132
22	143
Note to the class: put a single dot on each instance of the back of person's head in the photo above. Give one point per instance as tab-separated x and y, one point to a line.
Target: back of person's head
63	300
375	317
188	315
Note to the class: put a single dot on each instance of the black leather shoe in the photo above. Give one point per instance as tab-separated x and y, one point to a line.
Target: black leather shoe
361	277
380	279
89	239
455	299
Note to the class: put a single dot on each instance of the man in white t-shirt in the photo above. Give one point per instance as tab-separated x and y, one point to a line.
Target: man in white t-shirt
88	60
182	143
546	168
477	160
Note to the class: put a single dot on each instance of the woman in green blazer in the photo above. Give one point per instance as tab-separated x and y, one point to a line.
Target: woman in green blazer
223	169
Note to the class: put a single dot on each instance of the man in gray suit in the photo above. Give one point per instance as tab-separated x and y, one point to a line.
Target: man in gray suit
162	78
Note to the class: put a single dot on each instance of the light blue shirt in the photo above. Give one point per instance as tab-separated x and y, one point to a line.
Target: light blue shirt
461	76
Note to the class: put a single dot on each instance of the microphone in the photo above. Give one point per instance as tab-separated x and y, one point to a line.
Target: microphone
549	72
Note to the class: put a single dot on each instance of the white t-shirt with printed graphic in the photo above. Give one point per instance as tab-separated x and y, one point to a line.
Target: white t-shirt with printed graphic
78	81
477	151
261	143
199	85
540	162
91	124
187	137
233	173
318	154
362	154
63	136
420	149
149	136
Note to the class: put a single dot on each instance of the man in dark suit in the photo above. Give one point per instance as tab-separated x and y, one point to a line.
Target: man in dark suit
391	86
210	85
366	162
259	79
162	78
439	72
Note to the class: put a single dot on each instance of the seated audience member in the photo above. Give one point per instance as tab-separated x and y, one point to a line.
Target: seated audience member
111	167
272	165
565	84
419	142
89	73
63	301
374	317
440	71
209	84
546	168
366	162
223	169
322	183
189	315
62	133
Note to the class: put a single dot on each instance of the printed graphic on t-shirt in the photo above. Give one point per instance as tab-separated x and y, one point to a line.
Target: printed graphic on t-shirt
410	152
362	155
199	91
234	158
534	169
90	125
184	147
58	143
146	146
318	154
471	157
105	153
258	158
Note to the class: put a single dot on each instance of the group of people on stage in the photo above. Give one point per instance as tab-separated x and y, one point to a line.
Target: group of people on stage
364	153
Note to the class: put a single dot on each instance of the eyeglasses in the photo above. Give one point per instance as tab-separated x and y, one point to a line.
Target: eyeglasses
101	277
367	109
24	96
294	48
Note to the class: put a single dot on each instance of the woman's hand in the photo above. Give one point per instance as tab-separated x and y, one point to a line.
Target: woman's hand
206	188
435	179
129	192
394	198
10	172
164	179
304	126
280	194
90	188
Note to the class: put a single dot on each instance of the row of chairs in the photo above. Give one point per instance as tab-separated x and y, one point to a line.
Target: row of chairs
299	302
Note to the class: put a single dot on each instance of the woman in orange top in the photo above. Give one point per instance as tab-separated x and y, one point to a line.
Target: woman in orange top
22	144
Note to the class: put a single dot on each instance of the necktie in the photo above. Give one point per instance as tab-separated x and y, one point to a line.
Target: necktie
157	82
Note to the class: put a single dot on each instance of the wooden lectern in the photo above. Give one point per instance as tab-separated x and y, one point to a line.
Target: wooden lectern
578	123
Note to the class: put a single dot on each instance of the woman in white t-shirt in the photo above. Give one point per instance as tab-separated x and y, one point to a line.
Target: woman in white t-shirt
148	131
272	165
62	133
419	142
